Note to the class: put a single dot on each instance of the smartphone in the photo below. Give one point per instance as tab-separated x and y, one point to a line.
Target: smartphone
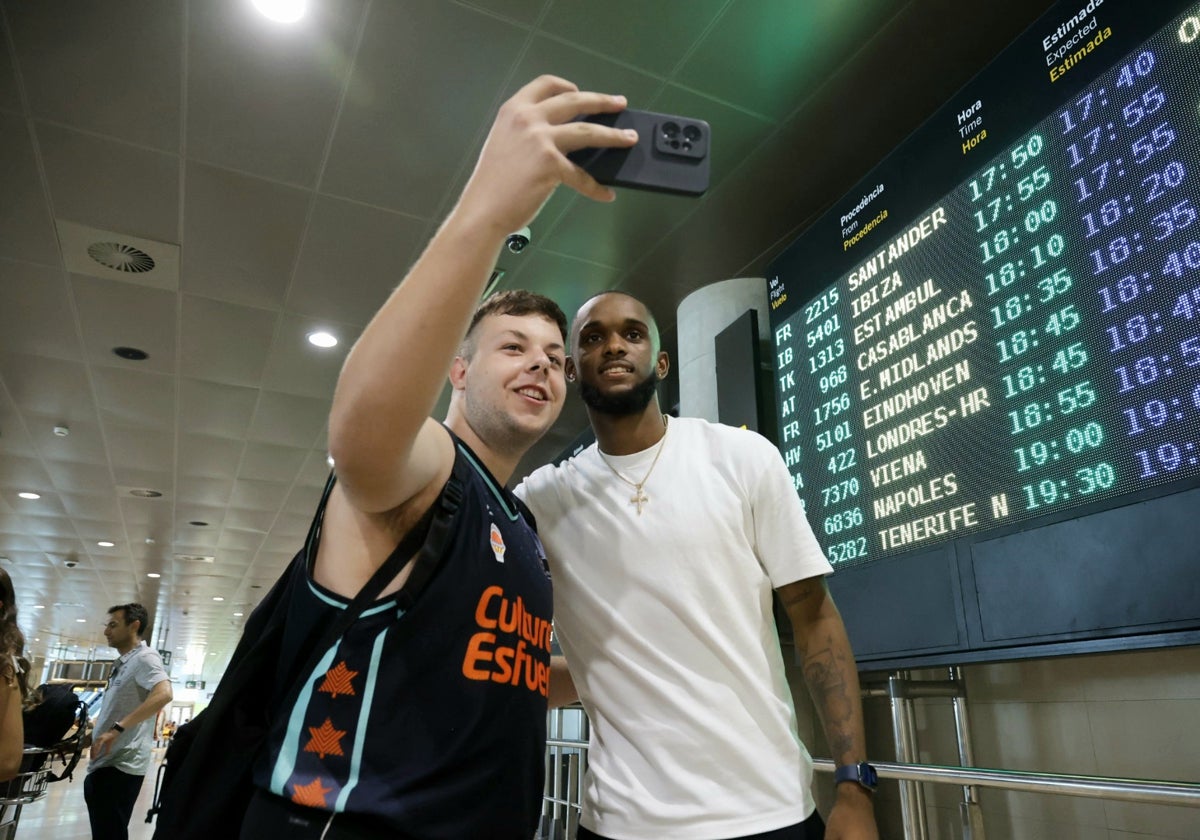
671	154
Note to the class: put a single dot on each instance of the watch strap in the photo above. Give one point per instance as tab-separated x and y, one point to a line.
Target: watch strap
862	773
118	727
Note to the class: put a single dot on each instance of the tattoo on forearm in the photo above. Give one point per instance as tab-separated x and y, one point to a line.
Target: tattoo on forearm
825	672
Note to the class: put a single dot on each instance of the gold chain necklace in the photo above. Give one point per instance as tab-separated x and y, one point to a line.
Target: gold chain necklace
639	498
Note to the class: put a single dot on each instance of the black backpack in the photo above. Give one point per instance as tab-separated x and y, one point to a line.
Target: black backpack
46	726
48	722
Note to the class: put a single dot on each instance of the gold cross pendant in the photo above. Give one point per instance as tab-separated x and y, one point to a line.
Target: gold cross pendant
639	498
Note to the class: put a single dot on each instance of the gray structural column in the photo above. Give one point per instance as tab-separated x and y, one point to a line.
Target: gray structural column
699	318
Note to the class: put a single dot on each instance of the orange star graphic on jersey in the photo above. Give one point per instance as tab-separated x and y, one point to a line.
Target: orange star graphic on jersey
325	739
312	794
337	681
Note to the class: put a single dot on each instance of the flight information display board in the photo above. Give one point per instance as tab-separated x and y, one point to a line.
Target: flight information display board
1003	320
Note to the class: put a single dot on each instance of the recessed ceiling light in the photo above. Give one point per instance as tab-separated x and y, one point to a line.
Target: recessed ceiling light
153	575
28	495
105	544
81	621
284	11
61	431
239	615
320	338
39	606
218	598
132	354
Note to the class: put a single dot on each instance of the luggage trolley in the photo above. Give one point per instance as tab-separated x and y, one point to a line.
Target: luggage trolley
23	789
37	772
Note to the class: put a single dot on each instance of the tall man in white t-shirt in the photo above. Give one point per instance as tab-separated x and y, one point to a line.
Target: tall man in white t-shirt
138	688
666	540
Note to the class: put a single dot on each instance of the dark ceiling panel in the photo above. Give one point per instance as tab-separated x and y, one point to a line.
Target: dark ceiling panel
111	68
425	82
654	36
767	54
262	97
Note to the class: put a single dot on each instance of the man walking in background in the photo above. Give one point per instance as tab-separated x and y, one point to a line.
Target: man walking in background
138	688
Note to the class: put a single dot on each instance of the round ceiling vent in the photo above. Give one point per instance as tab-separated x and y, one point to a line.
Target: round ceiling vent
120	257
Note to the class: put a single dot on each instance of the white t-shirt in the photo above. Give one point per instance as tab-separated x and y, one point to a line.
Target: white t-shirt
134	675
666	621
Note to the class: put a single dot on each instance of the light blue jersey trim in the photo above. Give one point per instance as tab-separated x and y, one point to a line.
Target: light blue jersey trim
513	514
330	601
386	605
285	765
364	713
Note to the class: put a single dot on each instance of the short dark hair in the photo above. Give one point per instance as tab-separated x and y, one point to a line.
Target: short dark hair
516	302
653	321
134	612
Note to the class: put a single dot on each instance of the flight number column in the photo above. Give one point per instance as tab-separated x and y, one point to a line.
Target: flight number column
839	516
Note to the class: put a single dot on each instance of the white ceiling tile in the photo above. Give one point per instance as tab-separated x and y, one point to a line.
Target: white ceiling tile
261	95
197	542
116	314
238	539
135	398
208	457
259	495
111	67
18	474
296	367
316	471
132	448
26	224
85	443
210	408
111	185
72	476
224	342
85	506
269	462
259	521
241	236
288	419
302	502
13	435
37	316
18	543
92	531
232	561
128	476
282	544
48	387
294	525
205	491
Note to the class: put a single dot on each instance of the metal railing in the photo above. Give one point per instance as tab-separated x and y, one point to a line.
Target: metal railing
567	759
1146	791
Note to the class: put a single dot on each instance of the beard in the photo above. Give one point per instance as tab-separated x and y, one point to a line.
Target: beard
633	401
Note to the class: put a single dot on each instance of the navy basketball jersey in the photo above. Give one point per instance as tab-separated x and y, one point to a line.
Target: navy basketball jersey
430	722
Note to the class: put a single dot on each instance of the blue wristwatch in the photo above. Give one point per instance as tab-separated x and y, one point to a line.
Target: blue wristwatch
862	773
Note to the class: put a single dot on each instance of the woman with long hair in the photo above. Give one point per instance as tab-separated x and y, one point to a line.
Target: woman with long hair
12	682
